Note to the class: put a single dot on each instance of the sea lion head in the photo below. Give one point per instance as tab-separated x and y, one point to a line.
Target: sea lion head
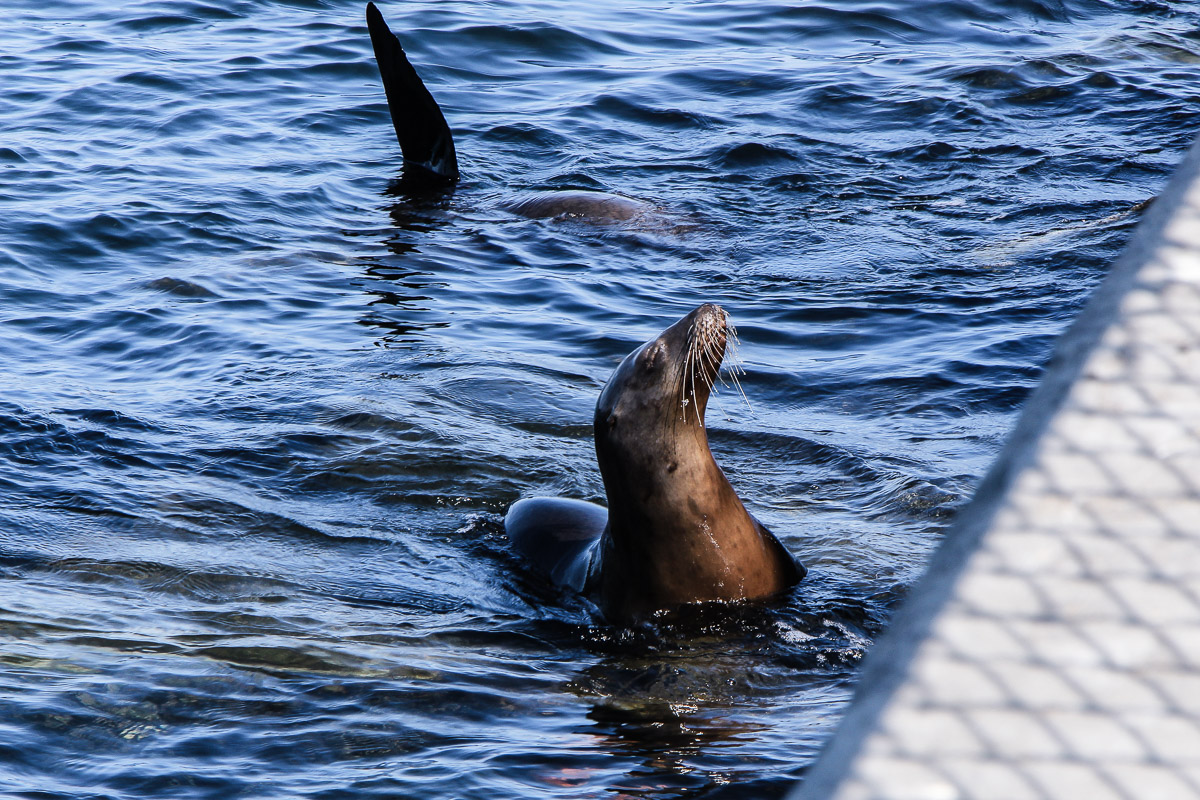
652	408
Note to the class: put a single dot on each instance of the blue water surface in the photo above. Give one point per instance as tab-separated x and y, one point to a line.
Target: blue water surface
261	412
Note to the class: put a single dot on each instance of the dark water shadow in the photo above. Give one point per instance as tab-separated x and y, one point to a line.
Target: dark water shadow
688	699
403	287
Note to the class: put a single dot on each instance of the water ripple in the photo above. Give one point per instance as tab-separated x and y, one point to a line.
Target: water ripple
264	410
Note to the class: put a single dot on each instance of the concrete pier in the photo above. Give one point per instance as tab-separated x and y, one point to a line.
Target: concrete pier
1053	648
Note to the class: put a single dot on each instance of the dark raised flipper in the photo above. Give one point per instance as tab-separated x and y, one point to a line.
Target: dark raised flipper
420	126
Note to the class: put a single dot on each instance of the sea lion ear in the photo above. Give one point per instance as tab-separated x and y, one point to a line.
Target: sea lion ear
652	356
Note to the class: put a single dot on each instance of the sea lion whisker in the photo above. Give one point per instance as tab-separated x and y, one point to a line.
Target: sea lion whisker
712	367
686	374
707	357
734	364
737	384
682	384
697	363
713	359
714	356
695	402
686	356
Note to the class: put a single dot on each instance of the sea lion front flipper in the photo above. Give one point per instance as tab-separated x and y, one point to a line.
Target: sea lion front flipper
424	136
557	535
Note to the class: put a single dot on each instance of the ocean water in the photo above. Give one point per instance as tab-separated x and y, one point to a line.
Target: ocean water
261	412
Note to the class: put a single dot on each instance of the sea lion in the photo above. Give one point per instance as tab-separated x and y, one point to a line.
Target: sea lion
582	204
674	532
430	161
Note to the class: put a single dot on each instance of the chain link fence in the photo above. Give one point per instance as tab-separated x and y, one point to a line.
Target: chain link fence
1054	649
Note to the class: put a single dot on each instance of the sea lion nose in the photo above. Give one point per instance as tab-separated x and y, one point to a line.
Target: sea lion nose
711	314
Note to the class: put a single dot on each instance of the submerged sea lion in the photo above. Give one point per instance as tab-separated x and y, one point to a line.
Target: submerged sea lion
428	147
675	531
